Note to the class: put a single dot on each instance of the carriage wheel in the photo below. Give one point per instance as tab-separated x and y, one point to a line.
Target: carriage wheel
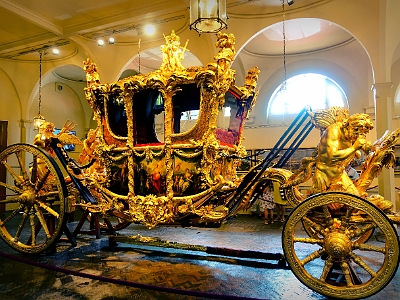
34	198
335	262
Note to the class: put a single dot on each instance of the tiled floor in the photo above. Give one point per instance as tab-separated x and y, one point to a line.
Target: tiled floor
164	273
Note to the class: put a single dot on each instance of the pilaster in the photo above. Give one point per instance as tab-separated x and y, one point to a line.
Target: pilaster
383	121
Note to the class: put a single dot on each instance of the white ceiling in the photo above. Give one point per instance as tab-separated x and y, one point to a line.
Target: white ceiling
27	25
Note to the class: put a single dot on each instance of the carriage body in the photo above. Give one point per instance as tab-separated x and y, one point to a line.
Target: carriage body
175	174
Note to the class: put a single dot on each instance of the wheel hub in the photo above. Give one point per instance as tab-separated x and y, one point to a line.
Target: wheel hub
337	245
28	197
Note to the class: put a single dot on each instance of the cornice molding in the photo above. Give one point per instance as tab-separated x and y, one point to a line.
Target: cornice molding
31	16
139	14
93	35
350	40
277	13
15	56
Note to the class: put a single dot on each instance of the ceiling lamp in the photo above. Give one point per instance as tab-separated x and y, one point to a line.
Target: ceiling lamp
39	119
284	42
208	16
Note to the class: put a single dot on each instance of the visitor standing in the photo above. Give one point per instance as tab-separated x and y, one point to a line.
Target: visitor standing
267	203
279	203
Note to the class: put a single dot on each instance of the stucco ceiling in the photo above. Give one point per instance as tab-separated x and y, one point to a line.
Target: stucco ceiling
27	26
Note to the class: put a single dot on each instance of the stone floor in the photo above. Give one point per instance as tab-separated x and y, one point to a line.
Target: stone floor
160	273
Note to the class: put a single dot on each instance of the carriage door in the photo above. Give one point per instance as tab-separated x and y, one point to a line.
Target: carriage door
3	144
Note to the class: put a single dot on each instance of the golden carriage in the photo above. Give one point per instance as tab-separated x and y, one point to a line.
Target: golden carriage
129	173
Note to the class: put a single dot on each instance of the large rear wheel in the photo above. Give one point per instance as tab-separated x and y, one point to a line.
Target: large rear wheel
336	261
34	198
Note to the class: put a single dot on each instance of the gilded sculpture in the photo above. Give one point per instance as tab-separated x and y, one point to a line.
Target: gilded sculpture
340	143
343	137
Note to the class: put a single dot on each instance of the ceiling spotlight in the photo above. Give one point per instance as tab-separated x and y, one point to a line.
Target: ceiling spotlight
55	51
290	2
100	42
111	40
149	29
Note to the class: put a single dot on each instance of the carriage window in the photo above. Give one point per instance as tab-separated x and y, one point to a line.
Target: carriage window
117	116
227	111
190	115
147	104
227	123
186	107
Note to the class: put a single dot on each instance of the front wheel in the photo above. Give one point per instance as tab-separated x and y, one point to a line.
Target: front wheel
335	262
33	191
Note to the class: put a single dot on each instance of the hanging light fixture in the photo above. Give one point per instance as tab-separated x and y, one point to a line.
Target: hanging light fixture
208	16
284	42
39	119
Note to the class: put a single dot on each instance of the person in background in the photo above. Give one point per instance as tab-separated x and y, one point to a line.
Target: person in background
256	209
267	203
352	173
279	203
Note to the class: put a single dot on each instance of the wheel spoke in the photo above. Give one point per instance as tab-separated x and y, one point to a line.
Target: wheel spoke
359	261
346	272
42	220
315	226
16	177
308	240
360	231
12	215
312	256
42	181
327	267
49	209
11	187
22	166
367	247
347	217
12	199
21	224
33	228
47	195
34	169
327	216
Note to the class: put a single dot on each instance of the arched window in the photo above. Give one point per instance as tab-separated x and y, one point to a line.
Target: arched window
314	90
